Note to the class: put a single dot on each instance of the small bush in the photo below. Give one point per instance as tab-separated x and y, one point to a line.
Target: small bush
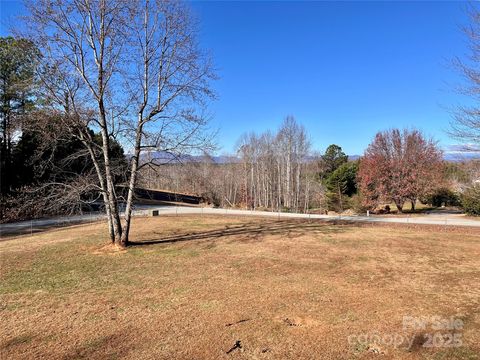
210	197
20	206
471	200
358	205
442	197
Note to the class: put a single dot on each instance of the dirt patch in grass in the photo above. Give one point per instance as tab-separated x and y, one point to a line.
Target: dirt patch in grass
224	287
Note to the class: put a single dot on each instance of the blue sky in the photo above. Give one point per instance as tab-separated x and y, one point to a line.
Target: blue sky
345	70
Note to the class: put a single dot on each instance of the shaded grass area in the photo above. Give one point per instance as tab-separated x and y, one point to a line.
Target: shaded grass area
222	287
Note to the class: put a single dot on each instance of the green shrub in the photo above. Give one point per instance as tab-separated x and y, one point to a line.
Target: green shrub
442	197
471	200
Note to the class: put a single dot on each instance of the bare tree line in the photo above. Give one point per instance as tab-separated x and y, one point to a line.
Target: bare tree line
270	171
274	168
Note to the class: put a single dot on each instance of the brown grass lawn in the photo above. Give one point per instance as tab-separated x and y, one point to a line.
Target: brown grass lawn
284	289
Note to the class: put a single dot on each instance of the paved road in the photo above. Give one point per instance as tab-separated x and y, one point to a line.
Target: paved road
31	226
23	227
433	219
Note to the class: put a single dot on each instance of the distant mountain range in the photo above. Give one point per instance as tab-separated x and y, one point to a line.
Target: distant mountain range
161	157
448	156
459	156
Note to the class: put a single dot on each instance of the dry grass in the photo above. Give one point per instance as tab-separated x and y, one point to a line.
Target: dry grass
284	289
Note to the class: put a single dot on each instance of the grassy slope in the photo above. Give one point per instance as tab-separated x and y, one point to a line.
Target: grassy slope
285	289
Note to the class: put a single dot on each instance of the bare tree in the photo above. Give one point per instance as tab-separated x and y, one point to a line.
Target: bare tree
274	167
131	70
466	122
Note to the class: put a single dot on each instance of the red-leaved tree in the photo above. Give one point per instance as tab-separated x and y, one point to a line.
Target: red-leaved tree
399	166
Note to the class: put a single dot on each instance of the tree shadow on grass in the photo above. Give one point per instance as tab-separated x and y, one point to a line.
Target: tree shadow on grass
112	346
253	231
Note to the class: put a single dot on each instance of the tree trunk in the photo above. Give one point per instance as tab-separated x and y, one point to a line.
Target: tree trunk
131	185
399	206
5	152
110	187
340	197
101	181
